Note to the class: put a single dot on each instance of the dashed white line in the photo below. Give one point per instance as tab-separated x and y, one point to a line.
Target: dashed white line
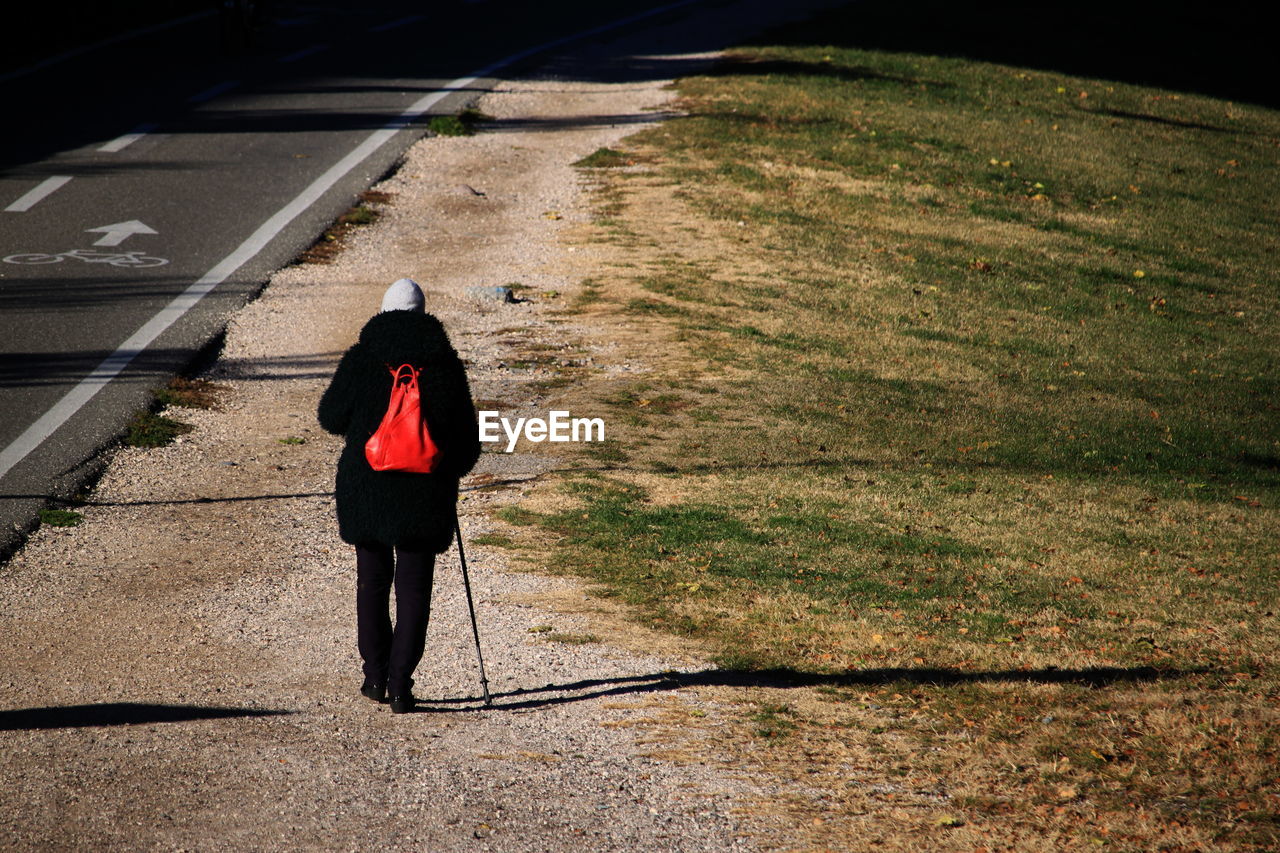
122	142
398	22
213	92
303	54
36	195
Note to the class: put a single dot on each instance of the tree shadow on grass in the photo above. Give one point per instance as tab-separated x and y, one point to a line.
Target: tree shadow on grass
119	714
1170	122
1132	43
527	699
734	65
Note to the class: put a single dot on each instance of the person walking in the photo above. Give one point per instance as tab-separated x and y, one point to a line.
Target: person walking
398	521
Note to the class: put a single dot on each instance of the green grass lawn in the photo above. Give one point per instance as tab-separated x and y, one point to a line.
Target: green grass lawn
964	402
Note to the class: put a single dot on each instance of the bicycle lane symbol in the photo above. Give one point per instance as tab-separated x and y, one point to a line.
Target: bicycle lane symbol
89	256
112	236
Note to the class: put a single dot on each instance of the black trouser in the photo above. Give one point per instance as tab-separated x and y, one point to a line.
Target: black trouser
390	657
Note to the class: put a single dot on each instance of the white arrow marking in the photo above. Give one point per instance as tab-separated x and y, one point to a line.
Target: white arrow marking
114	235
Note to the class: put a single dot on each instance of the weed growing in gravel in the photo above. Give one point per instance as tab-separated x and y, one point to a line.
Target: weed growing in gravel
189	393
331	242
605	158
462	124
571	639
147	429
60	517
448	126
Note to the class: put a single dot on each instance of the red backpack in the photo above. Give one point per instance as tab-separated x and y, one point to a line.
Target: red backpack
402	441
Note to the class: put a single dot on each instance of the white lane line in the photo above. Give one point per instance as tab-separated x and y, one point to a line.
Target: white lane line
82	393
303	54
398	22
213	92
36	195
122	142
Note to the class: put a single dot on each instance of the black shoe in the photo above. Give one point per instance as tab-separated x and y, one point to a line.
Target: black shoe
403	703
373	690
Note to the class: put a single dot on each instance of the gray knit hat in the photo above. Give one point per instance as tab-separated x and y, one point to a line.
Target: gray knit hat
404	295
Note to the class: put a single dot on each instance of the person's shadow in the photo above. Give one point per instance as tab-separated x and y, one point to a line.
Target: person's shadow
119	714
529	698
550	695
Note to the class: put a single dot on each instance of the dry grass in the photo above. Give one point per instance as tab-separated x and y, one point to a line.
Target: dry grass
190	393
333	240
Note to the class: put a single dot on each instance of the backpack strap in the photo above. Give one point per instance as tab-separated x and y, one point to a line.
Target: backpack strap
405	372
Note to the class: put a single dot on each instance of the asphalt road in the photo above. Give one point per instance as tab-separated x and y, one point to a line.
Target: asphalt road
149	188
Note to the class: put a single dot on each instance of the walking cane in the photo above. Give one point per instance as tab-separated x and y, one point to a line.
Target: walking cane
475	631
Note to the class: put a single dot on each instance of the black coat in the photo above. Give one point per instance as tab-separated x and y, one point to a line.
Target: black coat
399	507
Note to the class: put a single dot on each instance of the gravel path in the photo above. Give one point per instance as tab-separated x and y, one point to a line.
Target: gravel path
180	670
